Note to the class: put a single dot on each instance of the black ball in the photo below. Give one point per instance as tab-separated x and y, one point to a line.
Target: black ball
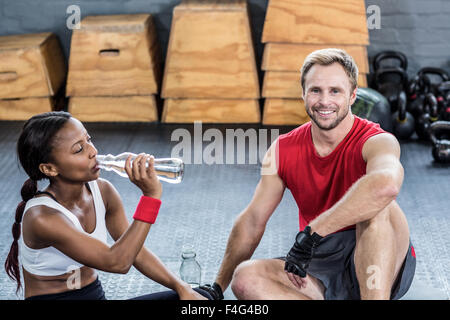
373	106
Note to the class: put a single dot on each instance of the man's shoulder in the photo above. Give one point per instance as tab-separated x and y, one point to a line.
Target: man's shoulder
382	140
295	133
382	143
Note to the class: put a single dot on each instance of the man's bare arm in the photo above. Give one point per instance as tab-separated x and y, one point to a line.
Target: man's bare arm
372	192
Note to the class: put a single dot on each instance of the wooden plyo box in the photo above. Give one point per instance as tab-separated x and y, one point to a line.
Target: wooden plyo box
291	56
114	55
114	69
211	111
316	21
283	111
31	65
32	75
114	109
210	72
25	108
210	53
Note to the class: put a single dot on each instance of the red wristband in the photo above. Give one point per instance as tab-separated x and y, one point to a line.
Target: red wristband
147	209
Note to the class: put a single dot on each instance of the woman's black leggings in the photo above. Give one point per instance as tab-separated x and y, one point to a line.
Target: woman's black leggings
94	291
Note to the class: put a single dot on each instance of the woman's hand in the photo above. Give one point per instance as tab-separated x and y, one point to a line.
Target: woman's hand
144	177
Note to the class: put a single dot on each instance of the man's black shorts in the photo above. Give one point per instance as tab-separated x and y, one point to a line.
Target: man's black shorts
333	264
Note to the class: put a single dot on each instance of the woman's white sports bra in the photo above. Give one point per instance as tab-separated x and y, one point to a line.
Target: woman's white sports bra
50	261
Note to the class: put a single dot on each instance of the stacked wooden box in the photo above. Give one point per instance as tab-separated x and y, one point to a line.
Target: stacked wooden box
210	72
292	30
114	69
32	75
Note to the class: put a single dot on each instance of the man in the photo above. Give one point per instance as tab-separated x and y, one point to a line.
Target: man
344	173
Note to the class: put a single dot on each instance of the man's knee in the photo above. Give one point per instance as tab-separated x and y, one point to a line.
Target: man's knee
241	281
246	278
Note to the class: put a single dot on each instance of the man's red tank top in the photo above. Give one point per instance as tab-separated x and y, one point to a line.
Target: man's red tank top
316	182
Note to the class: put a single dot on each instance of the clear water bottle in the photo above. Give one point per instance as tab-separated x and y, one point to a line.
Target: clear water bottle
190	269
167	169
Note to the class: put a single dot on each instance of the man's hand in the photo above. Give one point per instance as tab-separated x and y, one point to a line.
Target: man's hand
214	290
300	255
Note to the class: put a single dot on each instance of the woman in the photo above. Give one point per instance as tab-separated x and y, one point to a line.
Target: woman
60	233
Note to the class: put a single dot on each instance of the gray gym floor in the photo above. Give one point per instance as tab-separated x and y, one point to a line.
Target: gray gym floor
201	210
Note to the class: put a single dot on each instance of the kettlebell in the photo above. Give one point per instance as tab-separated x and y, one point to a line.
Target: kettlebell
443	75
443	99
420	86
402	121
380	57
428	116
390	86
439	135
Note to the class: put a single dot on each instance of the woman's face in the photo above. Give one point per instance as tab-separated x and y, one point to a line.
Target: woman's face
74	154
